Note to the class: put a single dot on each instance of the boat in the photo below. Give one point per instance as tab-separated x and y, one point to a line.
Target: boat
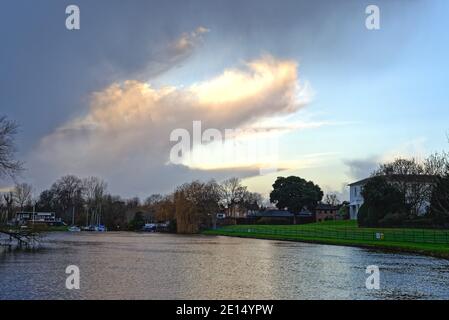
100	228
74	229
149	227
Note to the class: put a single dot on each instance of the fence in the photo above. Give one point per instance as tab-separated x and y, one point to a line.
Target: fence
367	234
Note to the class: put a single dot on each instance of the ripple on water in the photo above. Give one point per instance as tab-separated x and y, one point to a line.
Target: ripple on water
119	265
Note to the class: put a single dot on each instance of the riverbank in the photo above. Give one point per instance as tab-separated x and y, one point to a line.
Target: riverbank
213	268
346	233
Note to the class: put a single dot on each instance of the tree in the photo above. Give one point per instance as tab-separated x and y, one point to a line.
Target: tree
381	199
138	222
133	202
196	205
416	194
401	166
343	212
164	210
295	193
251	201
437	164
8	165
153	199
94	189
22	194
68	192
331	199
439	204
114	213
48	202
3	213
9	204
187	217
231	194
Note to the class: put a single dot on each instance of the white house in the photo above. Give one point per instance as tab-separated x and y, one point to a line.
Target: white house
355	197
36	217
411	182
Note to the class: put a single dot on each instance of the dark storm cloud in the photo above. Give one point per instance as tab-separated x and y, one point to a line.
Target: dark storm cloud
47	73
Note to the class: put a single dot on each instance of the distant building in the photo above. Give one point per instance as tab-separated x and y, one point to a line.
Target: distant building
49	218
324	212
271	214
238	212
282	216
355	190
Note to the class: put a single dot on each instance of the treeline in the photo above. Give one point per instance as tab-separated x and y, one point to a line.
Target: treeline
408	193
194	206
84	201
191	207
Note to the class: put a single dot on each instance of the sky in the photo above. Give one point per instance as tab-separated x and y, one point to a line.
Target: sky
331	98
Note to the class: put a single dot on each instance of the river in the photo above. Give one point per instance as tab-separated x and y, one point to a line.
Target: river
120	265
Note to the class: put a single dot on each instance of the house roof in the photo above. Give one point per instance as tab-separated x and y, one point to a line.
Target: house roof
272	213
37	213
413	178
325	206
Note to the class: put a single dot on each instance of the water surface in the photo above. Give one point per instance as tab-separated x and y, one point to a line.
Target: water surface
119	265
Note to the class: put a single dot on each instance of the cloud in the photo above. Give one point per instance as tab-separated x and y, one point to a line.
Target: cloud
415	148
124	137
6	189
167	56
362	168
188	41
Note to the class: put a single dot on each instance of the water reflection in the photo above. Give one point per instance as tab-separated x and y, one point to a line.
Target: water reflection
161	266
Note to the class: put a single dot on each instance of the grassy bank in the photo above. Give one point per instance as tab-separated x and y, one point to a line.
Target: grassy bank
422	241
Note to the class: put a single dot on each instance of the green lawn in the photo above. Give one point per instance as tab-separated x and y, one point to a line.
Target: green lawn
423	241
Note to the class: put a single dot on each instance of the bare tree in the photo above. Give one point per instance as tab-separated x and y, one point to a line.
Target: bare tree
401	166
231	194
68	191
404	173
94	190
3	212
251	201
8	165
437	164
22	194
331	199
9	204
153	199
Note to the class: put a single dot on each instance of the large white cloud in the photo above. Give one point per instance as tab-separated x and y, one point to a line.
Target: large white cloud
124	137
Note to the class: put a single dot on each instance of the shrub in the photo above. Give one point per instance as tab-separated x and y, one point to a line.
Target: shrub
367	217
393	220
439	204
384	204
137	223
268	220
